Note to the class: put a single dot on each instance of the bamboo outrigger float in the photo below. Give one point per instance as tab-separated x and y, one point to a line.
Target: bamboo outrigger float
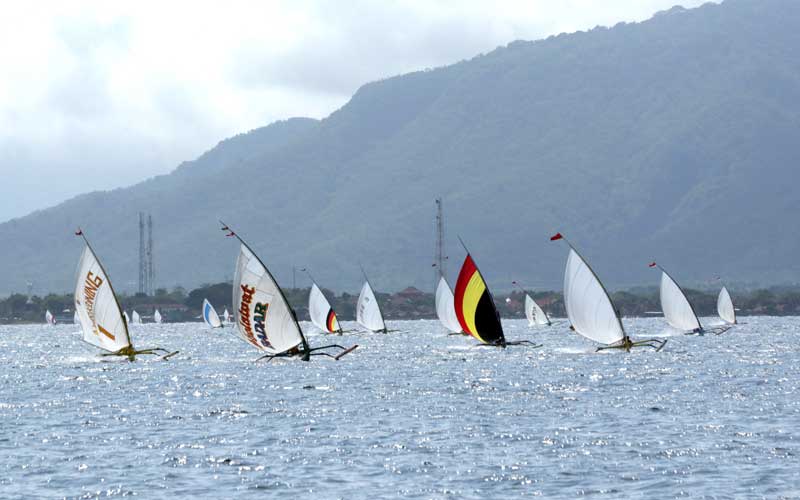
589	307
99	311
263	316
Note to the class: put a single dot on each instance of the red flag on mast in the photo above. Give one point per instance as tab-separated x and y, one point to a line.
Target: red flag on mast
555	237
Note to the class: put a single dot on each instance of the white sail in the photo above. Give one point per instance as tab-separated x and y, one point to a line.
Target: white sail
535	314
157	316
210	315
368	312
125	314
588	305
137	320
263	317
676	307
445	306
98	310
321	312
49	318
725	307
75	318
226	316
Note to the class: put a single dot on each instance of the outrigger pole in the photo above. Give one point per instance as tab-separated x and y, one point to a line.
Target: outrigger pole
305	352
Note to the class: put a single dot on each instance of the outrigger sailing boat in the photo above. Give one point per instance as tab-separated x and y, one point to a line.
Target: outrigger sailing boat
264	318
535	314
210	315
445	307
49	318
136	319
368	311
322	314
589	307
99	311
678	311
157	317
475	308
725	307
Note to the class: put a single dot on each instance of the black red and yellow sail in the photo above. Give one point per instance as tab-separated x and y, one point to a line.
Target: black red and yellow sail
332	322
475	307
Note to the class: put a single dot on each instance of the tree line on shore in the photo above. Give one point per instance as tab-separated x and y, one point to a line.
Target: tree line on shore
178	305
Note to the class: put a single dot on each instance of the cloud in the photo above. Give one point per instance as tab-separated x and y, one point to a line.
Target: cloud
164	81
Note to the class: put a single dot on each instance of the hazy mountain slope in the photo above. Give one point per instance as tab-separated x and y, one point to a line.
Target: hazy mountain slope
672	139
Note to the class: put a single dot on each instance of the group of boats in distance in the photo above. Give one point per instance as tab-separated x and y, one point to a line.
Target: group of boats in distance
264	319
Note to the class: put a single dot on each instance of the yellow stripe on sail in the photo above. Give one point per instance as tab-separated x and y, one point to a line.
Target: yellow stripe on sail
472	296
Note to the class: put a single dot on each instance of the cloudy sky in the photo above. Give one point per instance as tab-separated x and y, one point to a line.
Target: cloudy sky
97	95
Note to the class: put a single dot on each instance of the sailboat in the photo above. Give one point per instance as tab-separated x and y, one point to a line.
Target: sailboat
535	314
475	308
226	316
137	320
49	318
322	314
368	311
678	311
264	318
725	307
75	318
445	307
99	311
589	307
210	315
157	317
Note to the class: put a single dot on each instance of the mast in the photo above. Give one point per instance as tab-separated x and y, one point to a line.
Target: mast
439	254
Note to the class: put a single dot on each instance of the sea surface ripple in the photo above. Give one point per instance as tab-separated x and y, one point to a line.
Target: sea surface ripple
413	413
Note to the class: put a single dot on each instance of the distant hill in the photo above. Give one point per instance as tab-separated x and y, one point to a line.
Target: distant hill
674	139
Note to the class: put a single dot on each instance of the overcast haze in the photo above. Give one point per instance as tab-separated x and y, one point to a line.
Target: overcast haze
98	95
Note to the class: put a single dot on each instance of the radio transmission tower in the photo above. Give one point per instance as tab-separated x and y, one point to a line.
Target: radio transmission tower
439	257
151	270
142	257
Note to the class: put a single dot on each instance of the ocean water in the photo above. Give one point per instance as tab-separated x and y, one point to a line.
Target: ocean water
411	414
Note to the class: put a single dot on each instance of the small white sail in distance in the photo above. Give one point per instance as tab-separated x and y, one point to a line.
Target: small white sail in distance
678	311
226	316
75	318
210	315
725	307
97	307
322	314
137	320
445	306
125	314
368	311
157	317
49	318
535	314
263	316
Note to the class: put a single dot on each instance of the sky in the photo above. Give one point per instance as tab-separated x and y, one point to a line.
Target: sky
96	95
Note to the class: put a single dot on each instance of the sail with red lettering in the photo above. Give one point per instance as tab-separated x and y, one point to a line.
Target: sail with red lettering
262	314
97	307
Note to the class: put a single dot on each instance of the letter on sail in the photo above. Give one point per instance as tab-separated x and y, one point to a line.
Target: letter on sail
475	307
263	317
97	307
588	305
368	312
678	312
445	306
725	307
322	315
210	315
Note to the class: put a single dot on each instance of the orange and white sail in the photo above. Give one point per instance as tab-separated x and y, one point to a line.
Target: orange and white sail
97	307
263	316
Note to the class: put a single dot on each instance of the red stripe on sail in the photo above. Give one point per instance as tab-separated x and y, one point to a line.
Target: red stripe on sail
468	269
329	321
